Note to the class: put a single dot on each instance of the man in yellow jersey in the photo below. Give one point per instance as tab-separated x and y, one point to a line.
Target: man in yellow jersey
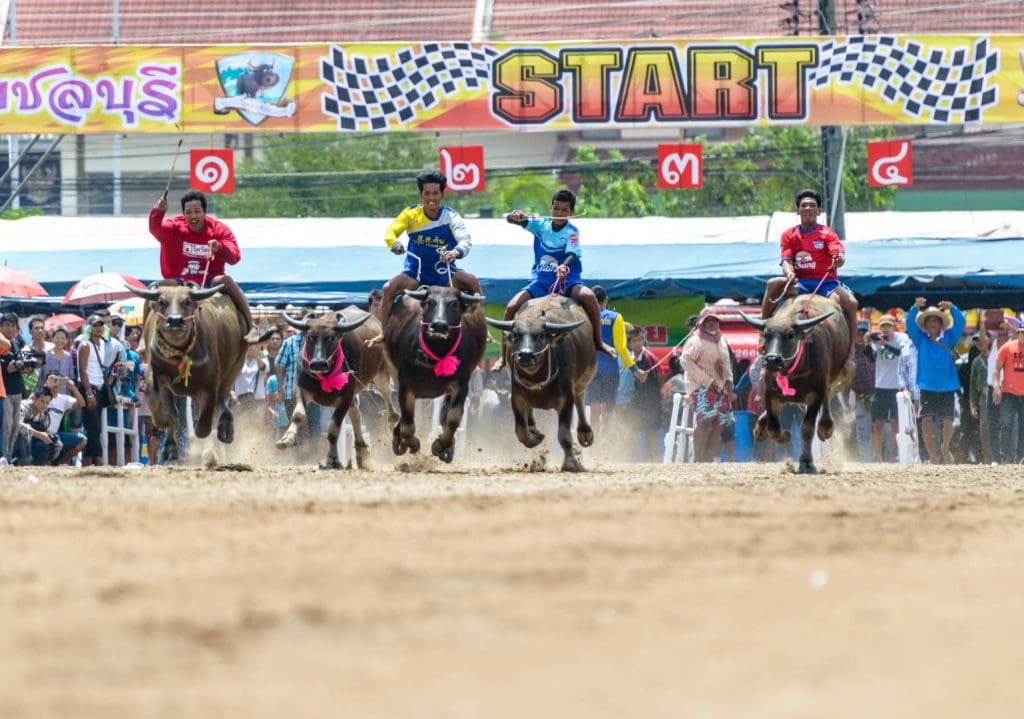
437	237
601	392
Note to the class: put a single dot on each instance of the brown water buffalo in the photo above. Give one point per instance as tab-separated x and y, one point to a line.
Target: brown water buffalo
805	348
434	339
334	368
196	349
551	359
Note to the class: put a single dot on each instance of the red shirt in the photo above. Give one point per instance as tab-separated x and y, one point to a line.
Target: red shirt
811	251
184	253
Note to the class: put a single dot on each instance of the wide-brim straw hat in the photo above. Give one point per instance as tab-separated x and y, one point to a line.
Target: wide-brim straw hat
946	317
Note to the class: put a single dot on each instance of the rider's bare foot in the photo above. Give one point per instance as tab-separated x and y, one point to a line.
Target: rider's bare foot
374	340
499	365
608	350
252	336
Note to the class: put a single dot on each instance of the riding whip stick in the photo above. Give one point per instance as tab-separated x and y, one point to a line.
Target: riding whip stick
173	164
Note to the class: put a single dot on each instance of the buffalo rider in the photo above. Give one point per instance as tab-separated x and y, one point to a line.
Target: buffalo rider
437	237
195	247
811	255
557	263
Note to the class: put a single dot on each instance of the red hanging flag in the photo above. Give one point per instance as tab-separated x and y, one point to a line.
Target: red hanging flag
680	167
212	170
890	163
463	166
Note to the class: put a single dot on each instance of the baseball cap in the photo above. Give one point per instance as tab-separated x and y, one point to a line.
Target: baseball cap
116	318
863	325
9	317
94	320
886	320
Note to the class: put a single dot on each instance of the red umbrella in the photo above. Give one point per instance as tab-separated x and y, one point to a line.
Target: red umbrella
102	287
15	283
72	322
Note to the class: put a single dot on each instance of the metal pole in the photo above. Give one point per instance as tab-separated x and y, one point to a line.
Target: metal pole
116	170
28	175
12	164
832	144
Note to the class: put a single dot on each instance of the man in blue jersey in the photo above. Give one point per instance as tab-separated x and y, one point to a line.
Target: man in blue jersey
437	236
557	262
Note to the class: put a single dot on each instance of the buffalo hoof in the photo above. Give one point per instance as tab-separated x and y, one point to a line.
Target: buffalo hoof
585	435
825	430
784	437
362	457
331	463
761	430
170	452
533	438
442	452
571	464
286	442
226	430
806	467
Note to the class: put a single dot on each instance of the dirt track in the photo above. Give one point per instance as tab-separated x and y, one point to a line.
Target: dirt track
715	591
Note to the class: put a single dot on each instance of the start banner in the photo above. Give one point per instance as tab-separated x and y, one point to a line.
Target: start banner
837	80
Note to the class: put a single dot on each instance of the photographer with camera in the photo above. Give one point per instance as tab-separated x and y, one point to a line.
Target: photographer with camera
887	344
14	365
40	443
98	367
66	397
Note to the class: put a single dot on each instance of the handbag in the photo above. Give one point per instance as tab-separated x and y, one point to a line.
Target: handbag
107	395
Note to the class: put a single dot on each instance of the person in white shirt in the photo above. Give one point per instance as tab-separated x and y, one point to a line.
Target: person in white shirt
887	344
66	397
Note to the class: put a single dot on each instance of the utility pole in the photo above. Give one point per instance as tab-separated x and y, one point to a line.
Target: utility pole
832	143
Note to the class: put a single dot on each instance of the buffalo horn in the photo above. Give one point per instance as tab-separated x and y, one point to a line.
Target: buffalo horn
152	295
466	297
347	326
209	292
562	326
503	325
297	324
753	322
420	294
812	321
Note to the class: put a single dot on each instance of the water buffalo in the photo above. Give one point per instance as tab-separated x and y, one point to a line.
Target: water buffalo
196	349
434	339
256	79
334	368
805	345
551	358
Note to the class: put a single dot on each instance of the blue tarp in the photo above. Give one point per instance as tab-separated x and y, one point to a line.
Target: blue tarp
629	270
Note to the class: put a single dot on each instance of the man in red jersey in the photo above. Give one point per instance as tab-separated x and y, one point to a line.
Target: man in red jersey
811	255
195	248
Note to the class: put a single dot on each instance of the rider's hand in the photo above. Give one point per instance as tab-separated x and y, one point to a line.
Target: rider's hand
161	204
397	248
214	246
449	256
517	215
838	260
562	271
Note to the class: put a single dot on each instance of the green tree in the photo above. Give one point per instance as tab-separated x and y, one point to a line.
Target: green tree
613	186
330	175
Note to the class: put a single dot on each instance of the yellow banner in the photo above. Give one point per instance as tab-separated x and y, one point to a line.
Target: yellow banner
842	80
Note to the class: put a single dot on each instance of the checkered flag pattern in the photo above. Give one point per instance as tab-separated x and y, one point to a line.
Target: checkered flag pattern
372	93
934	86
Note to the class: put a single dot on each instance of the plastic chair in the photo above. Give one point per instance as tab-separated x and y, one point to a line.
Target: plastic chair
120	432
679	437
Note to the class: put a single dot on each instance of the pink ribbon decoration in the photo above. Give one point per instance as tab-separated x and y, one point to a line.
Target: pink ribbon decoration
782	376
446	365
333	380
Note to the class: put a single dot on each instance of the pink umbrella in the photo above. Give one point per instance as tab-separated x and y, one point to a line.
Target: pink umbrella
15	283
101	288
72	322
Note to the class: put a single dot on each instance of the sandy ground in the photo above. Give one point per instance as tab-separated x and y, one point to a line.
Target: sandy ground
487	591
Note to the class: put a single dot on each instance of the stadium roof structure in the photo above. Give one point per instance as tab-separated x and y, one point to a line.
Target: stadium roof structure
890	256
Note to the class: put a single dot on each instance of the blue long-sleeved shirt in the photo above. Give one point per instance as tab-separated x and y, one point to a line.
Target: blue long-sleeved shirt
936	368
